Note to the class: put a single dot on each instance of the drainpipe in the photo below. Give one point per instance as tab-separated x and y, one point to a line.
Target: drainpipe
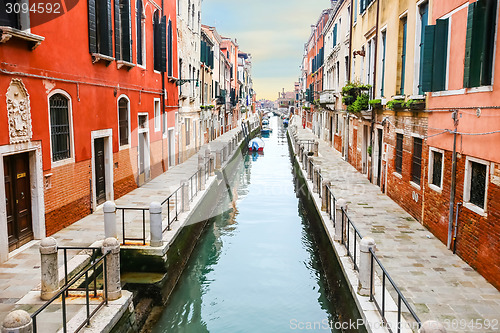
163	109
372	142
456	228
453	176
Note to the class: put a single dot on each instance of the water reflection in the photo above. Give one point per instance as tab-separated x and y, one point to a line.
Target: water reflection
257	267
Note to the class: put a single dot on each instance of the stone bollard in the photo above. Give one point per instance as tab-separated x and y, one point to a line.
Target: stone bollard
207	160
49	268
324	196
155	225
185	196
339	226
218	159
316	171
316	148
201	174
109	209
365	271
432	326
304	160
17	321
112	268
212	164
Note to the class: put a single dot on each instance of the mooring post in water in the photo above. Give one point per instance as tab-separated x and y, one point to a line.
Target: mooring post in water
109	209
316	148
366	270
324	196
17	321
49	268
185	195
339	221
432	326
114	286
201	178
218	158
155	227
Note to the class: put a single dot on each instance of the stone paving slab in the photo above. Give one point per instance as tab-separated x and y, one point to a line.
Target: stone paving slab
21	273
438	284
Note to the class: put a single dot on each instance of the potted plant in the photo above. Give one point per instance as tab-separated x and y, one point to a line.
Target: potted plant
375	103
360	104
415	104
355	96
395	104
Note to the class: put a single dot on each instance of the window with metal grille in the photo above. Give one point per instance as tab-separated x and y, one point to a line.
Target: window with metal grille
59	127
399	153
437	168
123	121
477	184
416	163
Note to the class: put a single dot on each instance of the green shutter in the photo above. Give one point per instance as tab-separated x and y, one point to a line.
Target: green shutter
468	45
118	40
163	44
108	36
92	27
440	55
428	56
202	49
489	41
477	44
126	33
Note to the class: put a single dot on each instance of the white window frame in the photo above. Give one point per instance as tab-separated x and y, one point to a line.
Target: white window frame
467	185
126	146
70	159
157	114
430	170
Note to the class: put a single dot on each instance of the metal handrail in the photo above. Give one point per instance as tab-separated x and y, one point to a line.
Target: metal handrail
401	297
172	196
63	292
65	261
346	239
124	237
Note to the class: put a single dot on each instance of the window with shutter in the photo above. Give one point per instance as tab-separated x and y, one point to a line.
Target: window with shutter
157	41
170	51
138	26
404	25
428	57
424	15
416	165
9	18
123	50
398	165
480	43
100	27
435	56
163	44
384	43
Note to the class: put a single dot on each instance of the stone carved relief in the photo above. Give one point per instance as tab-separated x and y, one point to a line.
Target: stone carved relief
19	112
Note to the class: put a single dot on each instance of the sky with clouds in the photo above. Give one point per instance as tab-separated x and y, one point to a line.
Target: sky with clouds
273	31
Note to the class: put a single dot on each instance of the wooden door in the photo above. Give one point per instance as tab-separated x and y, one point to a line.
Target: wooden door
18	200
100	171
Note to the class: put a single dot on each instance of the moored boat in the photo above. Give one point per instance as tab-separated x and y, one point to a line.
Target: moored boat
256	144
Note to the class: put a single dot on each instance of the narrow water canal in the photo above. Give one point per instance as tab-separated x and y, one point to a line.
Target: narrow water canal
262	265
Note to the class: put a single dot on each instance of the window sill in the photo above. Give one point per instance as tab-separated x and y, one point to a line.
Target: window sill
398	97
8	32
448	93
96	57
418	97
415	185
475	209
479	89
124	64
397	175
124	147
66	161
435	188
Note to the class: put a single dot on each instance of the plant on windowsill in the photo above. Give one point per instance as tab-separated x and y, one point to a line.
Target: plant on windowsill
369	150
375	103
307	108
415	104
396	104
355	96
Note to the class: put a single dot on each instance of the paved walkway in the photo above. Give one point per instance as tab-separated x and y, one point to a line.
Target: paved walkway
438	284
21	273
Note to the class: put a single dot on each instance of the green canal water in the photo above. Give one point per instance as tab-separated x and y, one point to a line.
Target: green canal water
264	264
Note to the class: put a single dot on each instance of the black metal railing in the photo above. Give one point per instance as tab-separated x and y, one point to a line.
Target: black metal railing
193	185
380	303
92	258
351	237
172	204
98	266
124	223
308	143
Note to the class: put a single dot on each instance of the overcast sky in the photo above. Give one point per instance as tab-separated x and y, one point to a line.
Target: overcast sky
273	31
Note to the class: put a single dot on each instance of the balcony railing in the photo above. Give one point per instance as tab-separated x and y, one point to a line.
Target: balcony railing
327	97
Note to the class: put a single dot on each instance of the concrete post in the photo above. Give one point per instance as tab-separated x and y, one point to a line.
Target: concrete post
109	209
316	148
201	174
155	227
432	326
218	159
17	321
315	179
112	268
339	228
324	196
185	195
49	268
365	271
212	164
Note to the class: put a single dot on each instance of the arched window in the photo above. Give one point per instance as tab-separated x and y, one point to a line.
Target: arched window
59	127
123	121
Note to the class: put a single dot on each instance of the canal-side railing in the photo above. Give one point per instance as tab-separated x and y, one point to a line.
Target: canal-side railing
172	204
351	239
93	256
308	143
132	210
85	278
380	298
